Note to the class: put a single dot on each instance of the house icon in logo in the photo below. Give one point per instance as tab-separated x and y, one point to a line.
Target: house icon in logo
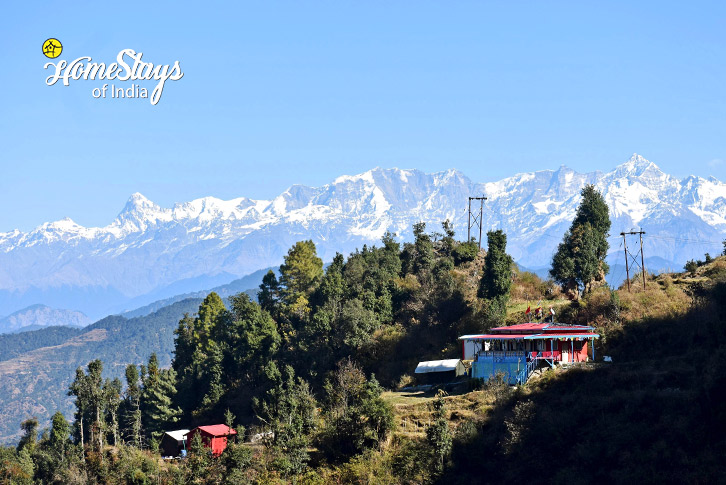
52	48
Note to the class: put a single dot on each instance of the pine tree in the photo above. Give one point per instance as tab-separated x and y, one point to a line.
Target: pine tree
252	337
56	452
288	409
496	279
214	376
30	435
79	389
157	405
112	402
198	344
211	313
438	434
59	432
269	294
132	406
96	402
580	258
355	415
199	461
96	399
424	252
299	275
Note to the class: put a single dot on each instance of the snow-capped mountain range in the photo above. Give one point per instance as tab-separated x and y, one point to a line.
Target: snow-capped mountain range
150	252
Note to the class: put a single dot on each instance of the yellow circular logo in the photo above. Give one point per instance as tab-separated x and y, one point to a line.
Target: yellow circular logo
52	48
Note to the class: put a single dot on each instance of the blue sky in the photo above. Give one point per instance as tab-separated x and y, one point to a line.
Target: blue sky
276	93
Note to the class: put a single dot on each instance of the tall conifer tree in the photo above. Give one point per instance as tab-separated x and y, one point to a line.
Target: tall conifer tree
579	262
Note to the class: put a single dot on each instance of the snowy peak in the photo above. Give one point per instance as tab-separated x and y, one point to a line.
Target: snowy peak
138	214
639	166
148	247
137	201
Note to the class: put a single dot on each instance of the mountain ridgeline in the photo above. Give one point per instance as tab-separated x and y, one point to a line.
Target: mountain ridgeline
301	375
149	253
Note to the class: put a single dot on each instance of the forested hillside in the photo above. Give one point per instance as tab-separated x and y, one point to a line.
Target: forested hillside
34	381
14	344
316	376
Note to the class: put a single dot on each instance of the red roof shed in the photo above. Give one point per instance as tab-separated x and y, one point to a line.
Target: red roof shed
213	436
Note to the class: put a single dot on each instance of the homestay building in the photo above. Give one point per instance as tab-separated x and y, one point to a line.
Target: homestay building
517	350
173	442
213	436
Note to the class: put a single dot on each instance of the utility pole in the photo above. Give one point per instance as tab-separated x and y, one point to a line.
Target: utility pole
642	257
475	219
627	271
632	257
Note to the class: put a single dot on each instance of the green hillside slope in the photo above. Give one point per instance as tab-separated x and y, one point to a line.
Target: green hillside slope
15	344
656	414
34	383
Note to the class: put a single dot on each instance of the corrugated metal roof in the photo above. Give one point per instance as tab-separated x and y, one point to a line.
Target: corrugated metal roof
217	429
515	336
178	434
562	335
495	336
470	337
446	365
561	326
521	326
540	326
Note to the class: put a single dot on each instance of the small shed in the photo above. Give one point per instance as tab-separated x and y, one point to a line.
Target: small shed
173	442
439	370
213	436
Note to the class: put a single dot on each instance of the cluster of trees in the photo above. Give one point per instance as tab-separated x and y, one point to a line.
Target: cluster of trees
49	458
301	364
303	367
692	265
138	416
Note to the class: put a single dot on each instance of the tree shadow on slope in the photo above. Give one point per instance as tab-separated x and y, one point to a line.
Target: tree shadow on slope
657	414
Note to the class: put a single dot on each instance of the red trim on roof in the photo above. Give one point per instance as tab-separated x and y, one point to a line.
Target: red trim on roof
529	336
521	326
565	334
217	430
500	336
540	327
562	335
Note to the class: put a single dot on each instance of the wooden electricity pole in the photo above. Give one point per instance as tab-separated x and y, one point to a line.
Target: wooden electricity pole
632	257
475	219
627	272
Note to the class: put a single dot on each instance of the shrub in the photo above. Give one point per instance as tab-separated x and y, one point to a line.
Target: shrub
465	252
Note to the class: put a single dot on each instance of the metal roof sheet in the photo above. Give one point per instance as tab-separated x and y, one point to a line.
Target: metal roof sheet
506	336
217	429
521	326
561	335
178	434
497	336
445	365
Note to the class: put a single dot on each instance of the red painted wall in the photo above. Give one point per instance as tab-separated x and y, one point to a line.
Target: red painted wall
216	443
579	355
582	354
